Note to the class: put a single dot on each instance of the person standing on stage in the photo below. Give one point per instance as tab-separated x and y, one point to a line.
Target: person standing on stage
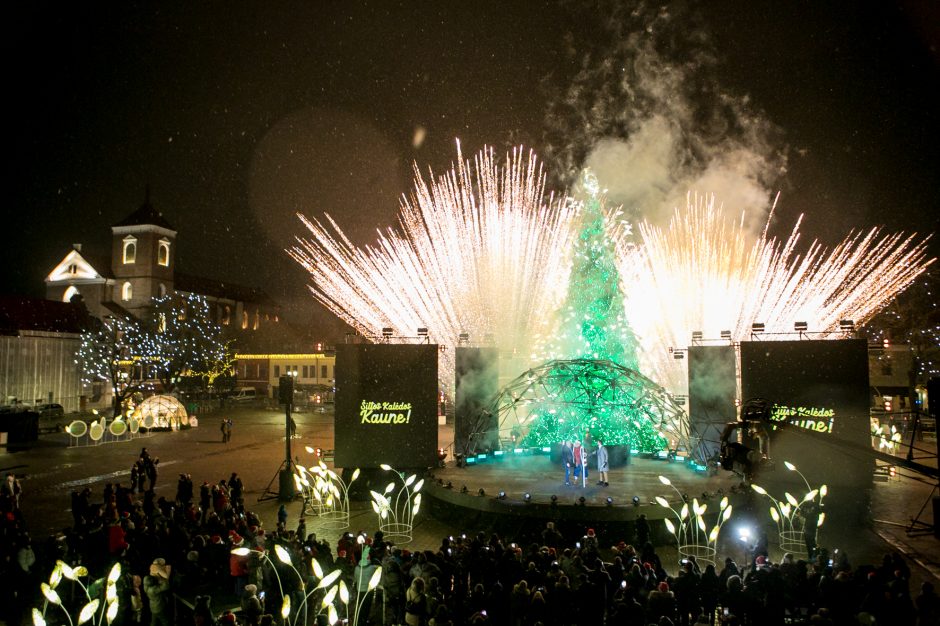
603	464
580	462
567	459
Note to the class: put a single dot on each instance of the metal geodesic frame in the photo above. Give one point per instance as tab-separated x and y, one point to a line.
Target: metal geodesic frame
583	385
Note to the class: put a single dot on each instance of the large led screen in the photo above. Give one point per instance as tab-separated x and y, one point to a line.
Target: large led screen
820	388
386	405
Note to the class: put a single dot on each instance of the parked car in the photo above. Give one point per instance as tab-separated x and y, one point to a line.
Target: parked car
51	410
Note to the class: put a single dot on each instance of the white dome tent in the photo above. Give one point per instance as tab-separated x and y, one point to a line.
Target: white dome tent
162	412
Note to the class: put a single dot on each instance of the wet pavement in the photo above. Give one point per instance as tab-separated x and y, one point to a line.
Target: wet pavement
51	470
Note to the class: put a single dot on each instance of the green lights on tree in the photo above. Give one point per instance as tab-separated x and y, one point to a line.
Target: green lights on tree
593	326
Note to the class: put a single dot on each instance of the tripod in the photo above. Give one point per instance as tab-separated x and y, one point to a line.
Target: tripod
285	472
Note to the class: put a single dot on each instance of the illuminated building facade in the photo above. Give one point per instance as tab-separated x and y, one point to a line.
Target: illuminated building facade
142	266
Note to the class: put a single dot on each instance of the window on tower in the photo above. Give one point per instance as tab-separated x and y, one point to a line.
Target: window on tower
130	250
163	253
127	292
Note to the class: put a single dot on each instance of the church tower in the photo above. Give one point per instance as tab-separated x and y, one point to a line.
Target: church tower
143	254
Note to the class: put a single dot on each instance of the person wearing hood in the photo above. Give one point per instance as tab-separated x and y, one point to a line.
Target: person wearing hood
362	575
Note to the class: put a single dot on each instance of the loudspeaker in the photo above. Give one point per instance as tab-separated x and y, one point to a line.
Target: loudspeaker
286	485
933	409
285	390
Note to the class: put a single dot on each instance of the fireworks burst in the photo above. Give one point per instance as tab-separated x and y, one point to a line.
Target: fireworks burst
702	273
480	251
485	250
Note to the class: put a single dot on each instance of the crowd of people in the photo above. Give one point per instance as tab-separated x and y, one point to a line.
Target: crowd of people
181	564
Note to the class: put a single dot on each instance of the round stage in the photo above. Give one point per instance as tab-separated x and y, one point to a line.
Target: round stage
534	488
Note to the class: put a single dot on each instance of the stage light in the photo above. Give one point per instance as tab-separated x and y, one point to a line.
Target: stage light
527	497
481	492
757	327
636	500
800	327
500	496
610	501
726	334
846	326
697	335
581	500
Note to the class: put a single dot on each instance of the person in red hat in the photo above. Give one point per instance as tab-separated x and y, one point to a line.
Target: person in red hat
660	603
238	564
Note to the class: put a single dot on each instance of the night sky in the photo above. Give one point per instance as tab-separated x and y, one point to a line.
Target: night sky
239	114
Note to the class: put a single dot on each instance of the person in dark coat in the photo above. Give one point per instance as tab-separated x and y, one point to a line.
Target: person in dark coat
567	459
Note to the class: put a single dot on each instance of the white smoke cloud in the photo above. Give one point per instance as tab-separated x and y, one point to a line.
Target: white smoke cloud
646	112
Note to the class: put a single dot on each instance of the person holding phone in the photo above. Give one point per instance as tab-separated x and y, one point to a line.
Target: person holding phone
252	606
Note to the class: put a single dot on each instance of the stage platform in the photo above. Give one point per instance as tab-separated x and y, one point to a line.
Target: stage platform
455	490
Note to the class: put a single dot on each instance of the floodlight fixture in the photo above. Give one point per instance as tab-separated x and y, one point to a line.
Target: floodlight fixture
636	500
554	499
422	331
463	338
501	495
846	326
758	327
387	332
581	500
697	335
800	327
726	334
610	501
527	497
481	492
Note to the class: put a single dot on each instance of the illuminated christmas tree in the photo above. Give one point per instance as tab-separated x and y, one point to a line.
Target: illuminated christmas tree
105	355
181	339
594	349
